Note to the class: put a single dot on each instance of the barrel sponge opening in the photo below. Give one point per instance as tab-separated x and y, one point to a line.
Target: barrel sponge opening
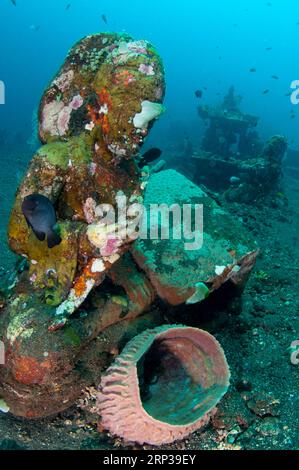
164	385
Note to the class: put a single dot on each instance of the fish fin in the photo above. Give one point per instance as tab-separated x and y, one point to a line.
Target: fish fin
142	162
39	235
53	239
28	223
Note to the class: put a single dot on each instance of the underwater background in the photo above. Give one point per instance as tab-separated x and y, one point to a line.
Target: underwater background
206	47
203	44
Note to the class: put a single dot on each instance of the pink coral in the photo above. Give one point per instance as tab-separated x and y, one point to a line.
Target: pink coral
89	210
50	116
111	246
63	82
138	47
147	69
64	120
56	115
77	102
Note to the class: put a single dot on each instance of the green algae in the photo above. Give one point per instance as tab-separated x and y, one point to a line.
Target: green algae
71	336
76	151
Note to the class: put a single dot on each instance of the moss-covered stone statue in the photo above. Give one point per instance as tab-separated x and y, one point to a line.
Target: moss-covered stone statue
73	305
93	119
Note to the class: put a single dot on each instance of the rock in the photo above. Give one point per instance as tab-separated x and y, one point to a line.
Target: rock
10	444
269	427
46	371
243	385
262	405
177	272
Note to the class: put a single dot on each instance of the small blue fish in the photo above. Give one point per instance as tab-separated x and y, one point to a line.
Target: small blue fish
40	216
198	94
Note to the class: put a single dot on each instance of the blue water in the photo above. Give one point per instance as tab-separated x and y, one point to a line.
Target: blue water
203	43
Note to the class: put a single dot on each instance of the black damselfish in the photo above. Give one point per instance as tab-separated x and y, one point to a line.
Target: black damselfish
151	155
40	216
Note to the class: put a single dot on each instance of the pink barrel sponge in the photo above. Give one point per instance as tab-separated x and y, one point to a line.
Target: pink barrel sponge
163	386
